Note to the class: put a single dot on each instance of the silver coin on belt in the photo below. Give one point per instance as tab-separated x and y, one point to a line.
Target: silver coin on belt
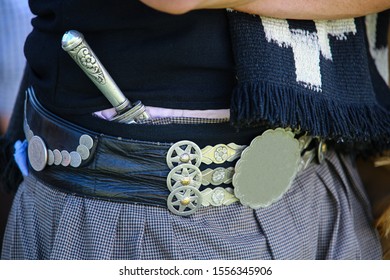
40	156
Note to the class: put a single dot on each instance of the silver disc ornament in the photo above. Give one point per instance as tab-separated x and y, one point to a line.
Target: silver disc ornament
184	175
184	201
37	153
267	168
184	152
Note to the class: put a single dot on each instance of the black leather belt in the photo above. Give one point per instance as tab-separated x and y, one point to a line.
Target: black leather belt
179	175
114	168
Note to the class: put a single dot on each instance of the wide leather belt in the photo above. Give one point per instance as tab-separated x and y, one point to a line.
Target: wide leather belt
180	176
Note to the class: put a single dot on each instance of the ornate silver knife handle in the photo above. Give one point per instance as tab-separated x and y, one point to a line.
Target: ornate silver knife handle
74	44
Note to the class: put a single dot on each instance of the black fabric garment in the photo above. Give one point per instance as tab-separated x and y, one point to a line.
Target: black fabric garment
163	60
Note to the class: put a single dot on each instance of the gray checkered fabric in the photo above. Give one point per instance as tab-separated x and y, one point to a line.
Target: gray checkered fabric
325	215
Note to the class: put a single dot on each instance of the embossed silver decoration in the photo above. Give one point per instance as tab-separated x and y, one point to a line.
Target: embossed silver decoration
75	159
221	153
74	43
218	197
184	175
188	152
184	152
184	201
217	176
57	157
267	168
37	153
65	158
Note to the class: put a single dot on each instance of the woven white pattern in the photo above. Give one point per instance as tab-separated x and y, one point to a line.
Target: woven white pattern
308	47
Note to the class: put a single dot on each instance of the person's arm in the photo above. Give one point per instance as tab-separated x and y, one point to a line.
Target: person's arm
292	9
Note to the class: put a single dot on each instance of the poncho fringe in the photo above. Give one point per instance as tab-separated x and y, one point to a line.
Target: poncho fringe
255	102
319	77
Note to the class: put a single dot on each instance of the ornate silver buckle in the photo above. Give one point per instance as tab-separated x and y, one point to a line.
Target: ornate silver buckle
262	175
267	168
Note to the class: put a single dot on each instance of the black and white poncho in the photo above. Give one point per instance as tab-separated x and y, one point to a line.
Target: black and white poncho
325	77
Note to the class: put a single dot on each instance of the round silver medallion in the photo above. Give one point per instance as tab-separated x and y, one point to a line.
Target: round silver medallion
221	153
75	159
217	197
83	151
266	168
218	176
86	140
37	153
184	201
184	152
65	158
57	157
184	175
50	157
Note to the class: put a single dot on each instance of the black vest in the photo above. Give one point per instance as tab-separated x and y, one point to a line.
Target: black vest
163	60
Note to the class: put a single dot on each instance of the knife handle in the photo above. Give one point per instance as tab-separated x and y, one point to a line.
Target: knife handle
74	44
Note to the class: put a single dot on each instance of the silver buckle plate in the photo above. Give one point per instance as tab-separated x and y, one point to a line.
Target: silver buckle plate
267	168
265	171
